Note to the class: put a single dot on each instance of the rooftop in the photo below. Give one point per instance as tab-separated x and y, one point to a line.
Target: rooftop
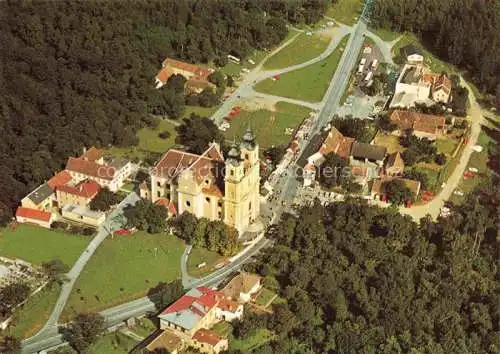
90	168
33	214
207	336
85	189
165	339
41	193
93	154
60	179
368	151
242	283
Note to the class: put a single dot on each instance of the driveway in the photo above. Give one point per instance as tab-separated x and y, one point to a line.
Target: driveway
433	207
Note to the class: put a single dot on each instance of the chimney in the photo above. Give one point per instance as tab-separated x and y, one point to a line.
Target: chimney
84	152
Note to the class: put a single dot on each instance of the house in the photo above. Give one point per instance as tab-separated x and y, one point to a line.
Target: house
62	178
242	287
198	308
80	194
412	54
394	165
91	165
34	216
378	187
337	143
440	87
166	340
209	185
367	154
196	77
423	125
411	88
209	342
40	199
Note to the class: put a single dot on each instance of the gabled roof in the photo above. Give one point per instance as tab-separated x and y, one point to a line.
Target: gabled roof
199	72
192	307
368	151
90	168
417	121
60	179
168	204
242	283
207	336
33	214
395	160
41	193
93	154
442	83
85	189
338	143
164	75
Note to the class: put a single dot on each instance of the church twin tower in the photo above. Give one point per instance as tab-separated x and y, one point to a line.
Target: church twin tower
242	183
209	185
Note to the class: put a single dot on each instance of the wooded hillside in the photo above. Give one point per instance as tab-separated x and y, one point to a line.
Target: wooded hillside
361	279
463	32
77	73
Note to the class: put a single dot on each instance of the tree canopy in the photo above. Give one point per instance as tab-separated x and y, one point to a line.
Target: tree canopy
81	73
465	33
83	331
362	279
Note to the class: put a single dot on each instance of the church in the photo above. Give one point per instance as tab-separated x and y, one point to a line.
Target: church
209	185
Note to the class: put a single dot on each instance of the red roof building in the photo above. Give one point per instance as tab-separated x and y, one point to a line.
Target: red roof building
34	216
60	179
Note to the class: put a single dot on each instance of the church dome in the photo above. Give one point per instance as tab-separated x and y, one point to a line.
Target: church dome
248	139
233	156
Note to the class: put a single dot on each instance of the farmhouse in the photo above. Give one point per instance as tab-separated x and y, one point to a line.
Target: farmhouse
422	125
189	319
196	77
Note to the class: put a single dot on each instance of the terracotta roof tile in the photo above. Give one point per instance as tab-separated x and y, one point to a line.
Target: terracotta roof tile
338	143
60	179
85	189
90	168
168	204
417	121
33	214
199	72
93	154
207	336
242	283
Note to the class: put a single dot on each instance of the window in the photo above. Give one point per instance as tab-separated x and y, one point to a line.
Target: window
158	184
250	206
220	215
232	173
219	204
188	203
168	196
167	186
207	199
207	181
246	156
158	194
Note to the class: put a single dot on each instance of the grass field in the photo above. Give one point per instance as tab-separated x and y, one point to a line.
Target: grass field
144	327
309	83
199	255
246	345
264	297
446	145
346	11
36	245
269	127
149	141
386	35
391	142
115	343
432	176
125	268
302	49
30	318
478	160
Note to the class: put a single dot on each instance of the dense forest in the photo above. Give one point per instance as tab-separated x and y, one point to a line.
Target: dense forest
463	32
360	279
75	73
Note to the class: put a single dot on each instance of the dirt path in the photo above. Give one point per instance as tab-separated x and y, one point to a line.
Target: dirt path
432	208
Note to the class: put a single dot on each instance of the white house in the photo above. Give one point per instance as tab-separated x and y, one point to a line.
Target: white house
242	287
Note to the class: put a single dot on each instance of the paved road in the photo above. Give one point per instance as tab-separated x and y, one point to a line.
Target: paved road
245	88
433	207
113	222
139	307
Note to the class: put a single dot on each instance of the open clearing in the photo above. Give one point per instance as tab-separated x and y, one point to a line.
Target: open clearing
268	126
302	49
309	83
346	11
200	255
36	245
31	317
123	269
